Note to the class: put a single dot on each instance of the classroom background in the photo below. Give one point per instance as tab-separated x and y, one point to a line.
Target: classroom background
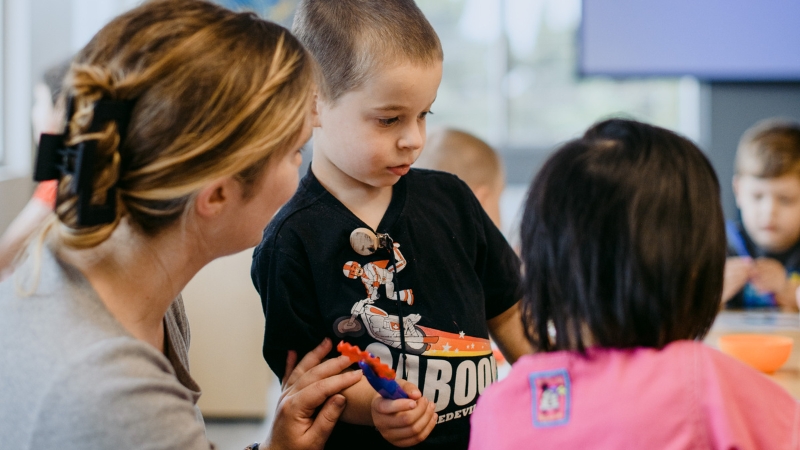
524	75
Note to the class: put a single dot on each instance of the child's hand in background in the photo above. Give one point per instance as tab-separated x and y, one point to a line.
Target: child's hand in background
404	422
768	276
738	271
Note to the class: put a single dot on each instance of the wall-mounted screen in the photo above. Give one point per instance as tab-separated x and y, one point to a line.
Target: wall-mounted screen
732	40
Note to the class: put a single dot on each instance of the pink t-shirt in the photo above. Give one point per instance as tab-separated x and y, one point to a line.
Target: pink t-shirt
687	395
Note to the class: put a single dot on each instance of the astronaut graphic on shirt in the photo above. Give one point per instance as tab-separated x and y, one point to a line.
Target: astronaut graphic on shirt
381	325
375	274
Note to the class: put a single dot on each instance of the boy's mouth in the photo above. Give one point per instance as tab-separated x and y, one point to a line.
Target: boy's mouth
400	170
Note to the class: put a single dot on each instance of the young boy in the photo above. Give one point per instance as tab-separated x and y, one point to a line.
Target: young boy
472	160
763	268
401	262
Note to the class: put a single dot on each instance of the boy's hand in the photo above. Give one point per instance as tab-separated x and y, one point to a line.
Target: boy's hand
404	422
737	271
768	276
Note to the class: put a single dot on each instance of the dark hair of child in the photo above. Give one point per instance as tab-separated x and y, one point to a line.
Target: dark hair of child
623	242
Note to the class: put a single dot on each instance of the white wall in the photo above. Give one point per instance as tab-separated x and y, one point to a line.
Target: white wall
16	97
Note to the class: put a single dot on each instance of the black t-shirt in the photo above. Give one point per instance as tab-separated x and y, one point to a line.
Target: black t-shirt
454	270
740	244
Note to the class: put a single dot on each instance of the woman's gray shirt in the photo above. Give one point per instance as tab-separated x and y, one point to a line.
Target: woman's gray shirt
71	377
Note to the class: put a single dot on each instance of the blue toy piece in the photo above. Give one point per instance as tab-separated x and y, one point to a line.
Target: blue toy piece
386	387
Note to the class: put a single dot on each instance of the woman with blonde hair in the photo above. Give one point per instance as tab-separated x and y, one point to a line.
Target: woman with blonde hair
184	125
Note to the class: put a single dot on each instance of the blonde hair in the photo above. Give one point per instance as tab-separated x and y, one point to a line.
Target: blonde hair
770	149
464	155
216	94
352	38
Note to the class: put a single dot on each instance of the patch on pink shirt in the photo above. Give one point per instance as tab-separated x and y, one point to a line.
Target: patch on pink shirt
552	396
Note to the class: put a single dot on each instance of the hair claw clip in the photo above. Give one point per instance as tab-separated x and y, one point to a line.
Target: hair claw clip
55	159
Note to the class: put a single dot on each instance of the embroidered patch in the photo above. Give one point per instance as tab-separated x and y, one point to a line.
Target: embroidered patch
552	397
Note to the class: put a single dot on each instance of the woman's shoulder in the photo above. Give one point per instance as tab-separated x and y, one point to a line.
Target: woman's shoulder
118	390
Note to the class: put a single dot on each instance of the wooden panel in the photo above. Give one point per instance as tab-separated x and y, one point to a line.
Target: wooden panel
227	326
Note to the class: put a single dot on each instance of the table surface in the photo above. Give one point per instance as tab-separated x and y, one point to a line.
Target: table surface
764	322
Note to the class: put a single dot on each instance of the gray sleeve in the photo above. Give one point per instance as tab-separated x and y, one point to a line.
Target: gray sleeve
122	395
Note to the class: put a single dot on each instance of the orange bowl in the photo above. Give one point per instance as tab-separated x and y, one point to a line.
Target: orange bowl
764	352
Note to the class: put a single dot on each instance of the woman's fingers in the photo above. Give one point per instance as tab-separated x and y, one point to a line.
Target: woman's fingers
291	360
326	369
308	399
310	360
326	419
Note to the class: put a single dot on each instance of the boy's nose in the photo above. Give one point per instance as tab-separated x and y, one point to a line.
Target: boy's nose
413	137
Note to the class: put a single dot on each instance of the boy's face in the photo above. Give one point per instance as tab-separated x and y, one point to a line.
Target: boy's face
770	209
370	136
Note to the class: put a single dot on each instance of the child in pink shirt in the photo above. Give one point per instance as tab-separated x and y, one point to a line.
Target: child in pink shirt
623	244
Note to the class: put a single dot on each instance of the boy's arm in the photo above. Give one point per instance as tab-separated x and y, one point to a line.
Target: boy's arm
506	330
293	321
402	422
359	403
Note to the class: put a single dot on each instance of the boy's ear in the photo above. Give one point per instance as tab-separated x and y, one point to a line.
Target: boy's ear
315	107
735	184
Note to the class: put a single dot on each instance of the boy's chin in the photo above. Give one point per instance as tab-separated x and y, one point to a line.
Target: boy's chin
773	245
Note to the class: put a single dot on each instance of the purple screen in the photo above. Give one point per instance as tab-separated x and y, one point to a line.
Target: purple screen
710	39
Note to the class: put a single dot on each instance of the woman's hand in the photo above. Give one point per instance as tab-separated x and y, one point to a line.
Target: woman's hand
297	423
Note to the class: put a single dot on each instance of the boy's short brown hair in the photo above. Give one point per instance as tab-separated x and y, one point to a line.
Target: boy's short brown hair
350	38
770	149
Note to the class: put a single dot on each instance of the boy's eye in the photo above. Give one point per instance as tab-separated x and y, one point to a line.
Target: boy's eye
425	114
388	122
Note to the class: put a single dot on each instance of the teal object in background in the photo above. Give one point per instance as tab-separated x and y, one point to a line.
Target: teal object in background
279	11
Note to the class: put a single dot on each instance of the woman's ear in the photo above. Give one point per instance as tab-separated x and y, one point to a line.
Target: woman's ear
212	199
316	122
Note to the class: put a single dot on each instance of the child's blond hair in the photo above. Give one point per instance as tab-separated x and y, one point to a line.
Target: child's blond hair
351	38
770	149
464	155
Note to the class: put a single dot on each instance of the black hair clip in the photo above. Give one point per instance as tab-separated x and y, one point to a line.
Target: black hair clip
55	159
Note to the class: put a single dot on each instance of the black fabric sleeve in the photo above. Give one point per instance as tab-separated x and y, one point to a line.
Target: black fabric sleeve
497	266
288	298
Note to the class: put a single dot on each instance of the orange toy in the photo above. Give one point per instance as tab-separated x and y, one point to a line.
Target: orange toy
766	353
356	354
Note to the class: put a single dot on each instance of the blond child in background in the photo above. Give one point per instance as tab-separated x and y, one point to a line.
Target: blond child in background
436	276
47	116
471	159
763	264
